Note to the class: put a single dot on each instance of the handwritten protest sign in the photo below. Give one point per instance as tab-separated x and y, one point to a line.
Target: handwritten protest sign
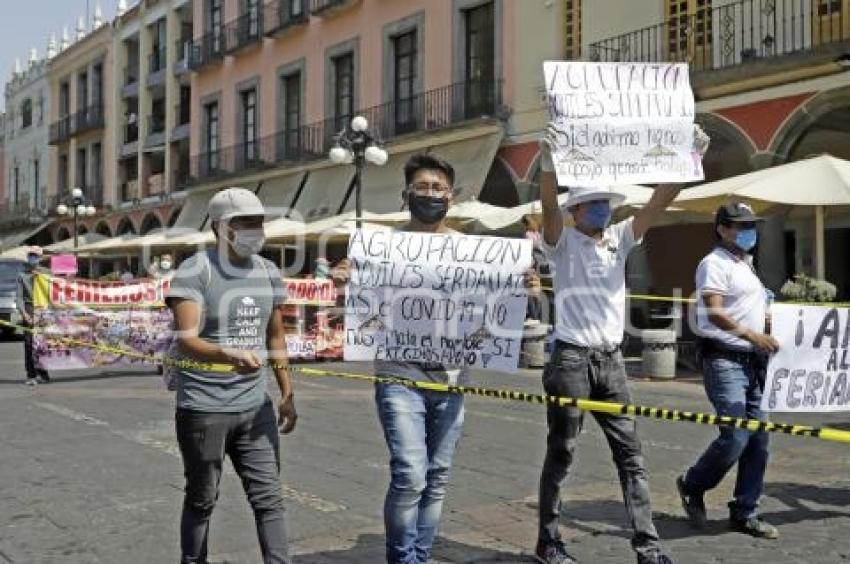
809	372
622	123
445	298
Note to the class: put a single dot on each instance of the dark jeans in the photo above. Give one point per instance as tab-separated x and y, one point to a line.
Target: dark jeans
29	356
252	442
734	384
585	373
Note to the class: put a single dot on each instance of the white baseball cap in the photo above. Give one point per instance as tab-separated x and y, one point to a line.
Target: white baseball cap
234	202
581	194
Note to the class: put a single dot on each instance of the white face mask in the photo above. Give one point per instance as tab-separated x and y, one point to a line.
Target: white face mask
247	242
165	265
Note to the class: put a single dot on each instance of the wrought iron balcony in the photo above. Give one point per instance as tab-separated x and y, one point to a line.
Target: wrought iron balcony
88	119
245	30
429	111
207	50
60	130
737	33
326	7
281	15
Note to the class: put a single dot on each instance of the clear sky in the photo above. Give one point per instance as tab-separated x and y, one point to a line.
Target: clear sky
28	23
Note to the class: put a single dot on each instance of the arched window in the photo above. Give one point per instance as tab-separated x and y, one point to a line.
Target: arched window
125	227
150	223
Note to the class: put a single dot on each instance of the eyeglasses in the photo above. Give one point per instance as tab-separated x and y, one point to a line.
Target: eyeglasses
426	189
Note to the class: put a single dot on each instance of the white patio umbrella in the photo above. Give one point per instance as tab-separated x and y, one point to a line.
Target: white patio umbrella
817	182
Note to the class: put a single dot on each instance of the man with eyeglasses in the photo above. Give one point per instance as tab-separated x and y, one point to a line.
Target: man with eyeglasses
732	320
589	262
421	427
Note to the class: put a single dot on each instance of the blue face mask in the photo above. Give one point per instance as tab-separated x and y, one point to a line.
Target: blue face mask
33	261
746	239
597	215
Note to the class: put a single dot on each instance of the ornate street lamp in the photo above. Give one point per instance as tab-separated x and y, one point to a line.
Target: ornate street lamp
355	144
77	205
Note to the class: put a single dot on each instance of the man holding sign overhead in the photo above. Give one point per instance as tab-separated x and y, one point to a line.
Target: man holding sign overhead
589	262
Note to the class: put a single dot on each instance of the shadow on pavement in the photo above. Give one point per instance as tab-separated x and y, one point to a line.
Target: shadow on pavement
608	517
370	549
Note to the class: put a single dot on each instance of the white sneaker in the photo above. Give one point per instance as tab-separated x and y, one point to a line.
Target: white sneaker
32	382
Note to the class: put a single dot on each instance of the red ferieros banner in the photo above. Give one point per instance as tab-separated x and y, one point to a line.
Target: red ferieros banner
310	291
52	291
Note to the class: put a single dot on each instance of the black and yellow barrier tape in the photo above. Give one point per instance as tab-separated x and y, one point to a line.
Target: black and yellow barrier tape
823	433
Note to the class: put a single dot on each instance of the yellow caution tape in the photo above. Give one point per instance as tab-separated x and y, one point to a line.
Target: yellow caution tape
823	433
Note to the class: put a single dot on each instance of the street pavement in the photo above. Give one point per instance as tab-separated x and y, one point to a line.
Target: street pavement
90	473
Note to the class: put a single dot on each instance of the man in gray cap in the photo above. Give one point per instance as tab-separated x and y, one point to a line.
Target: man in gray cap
227	312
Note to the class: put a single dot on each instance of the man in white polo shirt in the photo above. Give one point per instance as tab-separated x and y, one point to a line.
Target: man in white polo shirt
589	262
731	319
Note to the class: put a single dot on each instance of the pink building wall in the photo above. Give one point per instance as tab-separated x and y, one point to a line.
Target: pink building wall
365	20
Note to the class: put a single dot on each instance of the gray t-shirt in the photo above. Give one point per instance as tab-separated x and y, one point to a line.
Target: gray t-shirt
236	305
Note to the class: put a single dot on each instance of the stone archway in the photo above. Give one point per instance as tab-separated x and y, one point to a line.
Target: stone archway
499	186
125	227
102	228
149	223
821	125
730	152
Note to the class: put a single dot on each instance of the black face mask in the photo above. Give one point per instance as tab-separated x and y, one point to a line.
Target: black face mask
427	209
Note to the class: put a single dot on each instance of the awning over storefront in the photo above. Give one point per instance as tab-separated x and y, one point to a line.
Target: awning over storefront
323	193
278	193
19	236
174	236
470	157
194	210
67	245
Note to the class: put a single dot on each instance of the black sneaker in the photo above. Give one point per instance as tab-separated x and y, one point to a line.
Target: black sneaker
657	558
692	504
43	377
754	526
553	553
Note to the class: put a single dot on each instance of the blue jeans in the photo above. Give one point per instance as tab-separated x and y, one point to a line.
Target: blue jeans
421	429
734	384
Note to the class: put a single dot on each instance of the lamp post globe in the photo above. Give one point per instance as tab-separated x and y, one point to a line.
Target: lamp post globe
359	124
376	155
338	155
76	193
62	209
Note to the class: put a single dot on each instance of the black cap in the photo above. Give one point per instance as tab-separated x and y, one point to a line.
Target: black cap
737	212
